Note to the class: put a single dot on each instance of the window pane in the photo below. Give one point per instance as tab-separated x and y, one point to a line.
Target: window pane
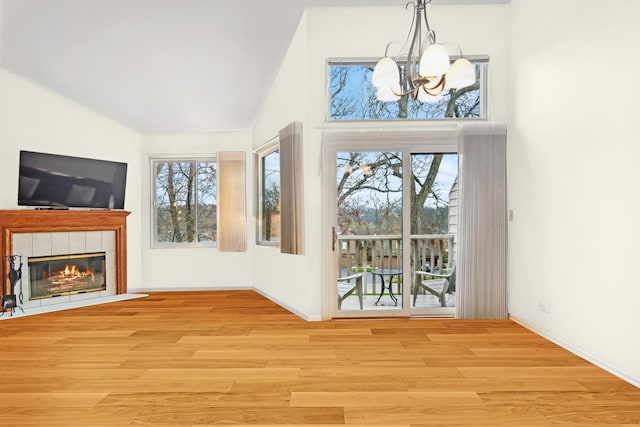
270	220
434	176
369	186
369	201
185	201
434	224
353	97
207	202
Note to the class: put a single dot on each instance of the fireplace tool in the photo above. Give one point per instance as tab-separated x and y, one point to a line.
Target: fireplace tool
10	300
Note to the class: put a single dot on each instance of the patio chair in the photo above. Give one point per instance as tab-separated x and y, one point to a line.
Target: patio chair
436	284
348	285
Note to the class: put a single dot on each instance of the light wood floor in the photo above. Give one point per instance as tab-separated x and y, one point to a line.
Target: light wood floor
204	358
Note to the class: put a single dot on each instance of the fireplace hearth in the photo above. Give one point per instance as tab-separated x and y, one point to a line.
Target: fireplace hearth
54	276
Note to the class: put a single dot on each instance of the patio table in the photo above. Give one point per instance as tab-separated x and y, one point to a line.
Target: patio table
390	273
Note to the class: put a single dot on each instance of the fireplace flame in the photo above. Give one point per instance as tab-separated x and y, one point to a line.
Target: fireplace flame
71	273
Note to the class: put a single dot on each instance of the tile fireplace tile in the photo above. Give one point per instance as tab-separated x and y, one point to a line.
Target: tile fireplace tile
22	244
94	241
77	242
109	240
111	272
41	244
59	243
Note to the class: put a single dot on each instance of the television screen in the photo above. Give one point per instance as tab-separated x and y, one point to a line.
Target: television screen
57	181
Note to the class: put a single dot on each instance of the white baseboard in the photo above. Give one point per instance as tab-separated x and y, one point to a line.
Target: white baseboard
193	289
291	309
579	352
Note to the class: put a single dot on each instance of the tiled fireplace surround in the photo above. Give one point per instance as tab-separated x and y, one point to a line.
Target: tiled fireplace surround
32	233
65	243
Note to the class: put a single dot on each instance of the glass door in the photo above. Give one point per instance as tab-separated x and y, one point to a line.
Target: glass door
433	200
391	212
368	233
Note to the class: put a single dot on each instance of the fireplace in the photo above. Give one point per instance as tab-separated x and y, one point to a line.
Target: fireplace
17	225
54	276
31	234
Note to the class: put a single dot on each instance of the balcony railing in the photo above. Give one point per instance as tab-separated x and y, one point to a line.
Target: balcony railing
369	252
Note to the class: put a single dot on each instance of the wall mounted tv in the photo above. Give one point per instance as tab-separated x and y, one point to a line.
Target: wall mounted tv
59	182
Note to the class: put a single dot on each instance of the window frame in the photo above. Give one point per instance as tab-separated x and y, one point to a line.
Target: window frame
481	60
155	244
260	153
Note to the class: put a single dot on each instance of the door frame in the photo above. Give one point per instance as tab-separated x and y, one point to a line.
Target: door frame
440	139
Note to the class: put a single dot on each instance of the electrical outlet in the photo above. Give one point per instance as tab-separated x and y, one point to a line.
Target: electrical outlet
544	306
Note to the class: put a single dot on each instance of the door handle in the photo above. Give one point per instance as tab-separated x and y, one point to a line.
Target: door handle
334	238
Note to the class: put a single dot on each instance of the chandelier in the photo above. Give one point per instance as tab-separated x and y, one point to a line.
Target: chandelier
426	74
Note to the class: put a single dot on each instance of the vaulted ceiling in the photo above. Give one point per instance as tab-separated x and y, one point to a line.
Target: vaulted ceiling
159	65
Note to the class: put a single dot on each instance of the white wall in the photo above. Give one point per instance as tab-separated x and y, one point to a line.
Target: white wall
300	93
193	268
283	277
36	119
573	176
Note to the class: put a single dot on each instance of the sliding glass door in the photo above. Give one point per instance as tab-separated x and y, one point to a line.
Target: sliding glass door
368	230
433	225
392	220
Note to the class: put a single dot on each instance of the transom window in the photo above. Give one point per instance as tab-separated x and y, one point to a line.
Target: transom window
185	202
353	97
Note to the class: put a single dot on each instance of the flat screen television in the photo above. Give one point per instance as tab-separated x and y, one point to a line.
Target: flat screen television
59	182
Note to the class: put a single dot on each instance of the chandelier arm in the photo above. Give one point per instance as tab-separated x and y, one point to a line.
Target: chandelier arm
413	19
403	93
431	34
412	58
403	45
459	48
437	89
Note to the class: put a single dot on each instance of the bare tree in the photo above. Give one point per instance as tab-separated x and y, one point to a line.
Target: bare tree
270	209
345	102
344	106
181	209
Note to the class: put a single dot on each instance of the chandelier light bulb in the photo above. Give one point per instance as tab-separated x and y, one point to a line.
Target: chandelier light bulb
461	74
434	61
385	74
